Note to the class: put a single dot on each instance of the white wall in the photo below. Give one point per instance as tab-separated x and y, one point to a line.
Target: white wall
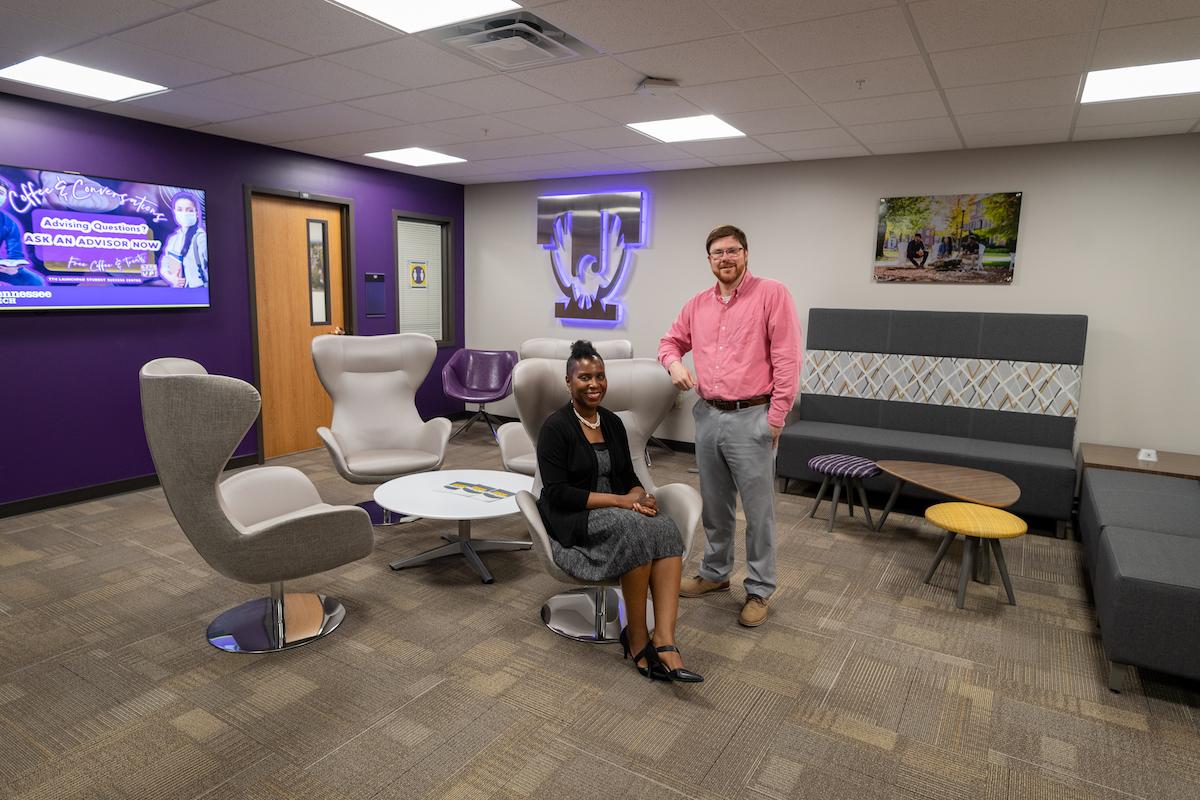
1108	229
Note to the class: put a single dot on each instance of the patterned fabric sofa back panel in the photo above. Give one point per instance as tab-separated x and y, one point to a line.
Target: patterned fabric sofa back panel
997	377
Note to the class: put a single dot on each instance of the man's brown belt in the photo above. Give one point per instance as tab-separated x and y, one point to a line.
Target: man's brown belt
734	405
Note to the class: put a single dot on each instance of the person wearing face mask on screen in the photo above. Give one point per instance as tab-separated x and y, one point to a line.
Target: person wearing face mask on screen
184	260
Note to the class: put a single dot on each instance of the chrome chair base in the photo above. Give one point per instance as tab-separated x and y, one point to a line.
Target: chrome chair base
279	622
381	517
590	614
486	417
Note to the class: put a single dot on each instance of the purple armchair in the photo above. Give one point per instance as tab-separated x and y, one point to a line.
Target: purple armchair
479	376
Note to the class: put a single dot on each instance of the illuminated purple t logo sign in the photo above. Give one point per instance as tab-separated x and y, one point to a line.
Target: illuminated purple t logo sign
590	238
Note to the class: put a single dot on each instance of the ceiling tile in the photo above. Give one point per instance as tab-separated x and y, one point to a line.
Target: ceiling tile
678	163
1038	93
196	39
394	138
9	57
1017	61
647	152
325	79
879	78
879	34
749	94
710	61
1136	129
36	35
540	144
448	171
556	118
587	160
773	13
133	61
597	138
639	108
1148	44
554	173
495	93
310	26
918	146
1150	109
97	17
848	151
474	127
1141	12
157	116
618	26
413	106
306	123
475	151
780	120
766	157
1035	119
937	128
804	140
411	62
723	147
314	149
977	140
951	24
589	79
185	104
519	164
886	109
243	91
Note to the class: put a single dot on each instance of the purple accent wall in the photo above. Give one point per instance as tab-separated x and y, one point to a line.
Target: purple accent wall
68	380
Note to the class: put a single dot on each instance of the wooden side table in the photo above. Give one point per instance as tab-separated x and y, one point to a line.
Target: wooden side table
1104	456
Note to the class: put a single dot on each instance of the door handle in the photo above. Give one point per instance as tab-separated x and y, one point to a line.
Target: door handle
339	331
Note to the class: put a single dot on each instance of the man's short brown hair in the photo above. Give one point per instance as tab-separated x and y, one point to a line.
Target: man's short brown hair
722	232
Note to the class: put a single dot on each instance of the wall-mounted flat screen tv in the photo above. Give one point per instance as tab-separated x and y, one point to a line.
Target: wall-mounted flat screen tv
70	241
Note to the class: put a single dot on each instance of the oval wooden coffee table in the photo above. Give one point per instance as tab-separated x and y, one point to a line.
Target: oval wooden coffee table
962	483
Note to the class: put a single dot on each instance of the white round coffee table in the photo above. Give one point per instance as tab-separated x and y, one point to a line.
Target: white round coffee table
419	495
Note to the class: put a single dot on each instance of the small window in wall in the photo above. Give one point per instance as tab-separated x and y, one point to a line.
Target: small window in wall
318	271
424	276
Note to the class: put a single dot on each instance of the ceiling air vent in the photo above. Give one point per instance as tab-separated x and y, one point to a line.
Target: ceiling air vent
512	42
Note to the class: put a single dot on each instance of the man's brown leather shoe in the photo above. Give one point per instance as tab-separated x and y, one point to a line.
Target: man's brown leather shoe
694	587
754	613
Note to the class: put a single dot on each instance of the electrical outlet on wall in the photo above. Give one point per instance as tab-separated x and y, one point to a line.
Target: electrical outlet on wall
1147	455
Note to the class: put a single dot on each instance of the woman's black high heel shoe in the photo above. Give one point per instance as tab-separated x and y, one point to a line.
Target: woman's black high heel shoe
679	674
654	669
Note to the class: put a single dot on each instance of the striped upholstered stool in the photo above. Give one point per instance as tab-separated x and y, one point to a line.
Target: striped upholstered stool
843	471
977	523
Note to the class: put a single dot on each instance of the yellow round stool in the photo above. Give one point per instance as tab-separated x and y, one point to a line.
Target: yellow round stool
976	523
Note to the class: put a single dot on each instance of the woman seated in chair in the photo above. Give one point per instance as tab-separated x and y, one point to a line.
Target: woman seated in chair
602	523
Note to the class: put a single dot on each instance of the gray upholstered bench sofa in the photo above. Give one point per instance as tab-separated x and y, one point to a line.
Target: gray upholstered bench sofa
998	392
1141	539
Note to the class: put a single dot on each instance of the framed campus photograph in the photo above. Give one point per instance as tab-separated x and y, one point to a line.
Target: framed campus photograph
947	238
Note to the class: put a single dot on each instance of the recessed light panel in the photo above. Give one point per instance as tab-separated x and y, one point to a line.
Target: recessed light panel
1150	80
416	157
687	129
412	16
50	73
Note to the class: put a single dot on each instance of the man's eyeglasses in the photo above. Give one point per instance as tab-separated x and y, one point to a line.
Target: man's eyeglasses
732	252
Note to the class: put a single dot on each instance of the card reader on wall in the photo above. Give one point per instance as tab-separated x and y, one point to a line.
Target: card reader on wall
376	294
1147	455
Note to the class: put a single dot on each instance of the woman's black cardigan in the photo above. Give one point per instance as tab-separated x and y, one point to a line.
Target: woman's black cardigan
569	470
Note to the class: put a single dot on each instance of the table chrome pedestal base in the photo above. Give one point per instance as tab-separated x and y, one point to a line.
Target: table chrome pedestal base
278	622
463	544
590	614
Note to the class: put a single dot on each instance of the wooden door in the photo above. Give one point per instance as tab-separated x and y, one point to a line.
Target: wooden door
294	404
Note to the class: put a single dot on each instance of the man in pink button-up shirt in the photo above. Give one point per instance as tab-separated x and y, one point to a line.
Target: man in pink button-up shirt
744	336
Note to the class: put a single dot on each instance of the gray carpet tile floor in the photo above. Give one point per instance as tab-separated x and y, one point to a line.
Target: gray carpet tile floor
863	683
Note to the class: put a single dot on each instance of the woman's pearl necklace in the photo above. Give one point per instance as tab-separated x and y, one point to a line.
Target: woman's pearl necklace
592	425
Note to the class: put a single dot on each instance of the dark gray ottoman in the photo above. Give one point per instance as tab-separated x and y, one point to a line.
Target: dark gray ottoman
1147	588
